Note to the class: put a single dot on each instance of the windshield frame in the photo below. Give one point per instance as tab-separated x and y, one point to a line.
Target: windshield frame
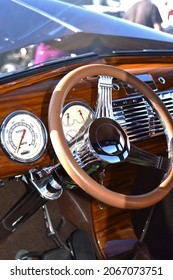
71	31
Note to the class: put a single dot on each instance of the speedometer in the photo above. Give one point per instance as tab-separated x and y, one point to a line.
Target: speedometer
76	117
23	137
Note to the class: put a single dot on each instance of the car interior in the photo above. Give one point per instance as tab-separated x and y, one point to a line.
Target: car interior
86	156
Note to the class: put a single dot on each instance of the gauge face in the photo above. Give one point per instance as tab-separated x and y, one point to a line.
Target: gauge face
76	117
23	137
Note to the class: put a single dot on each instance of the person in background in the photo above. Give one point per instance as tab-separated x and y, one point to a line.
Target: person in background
170	15
45	52
146	13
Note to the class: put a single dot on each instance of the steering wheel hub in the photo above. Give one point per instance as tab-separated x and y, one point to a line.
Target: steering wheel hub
109	140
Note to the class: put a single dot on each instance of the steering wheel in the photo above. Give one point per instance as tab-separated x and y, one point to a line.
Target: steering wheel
61	148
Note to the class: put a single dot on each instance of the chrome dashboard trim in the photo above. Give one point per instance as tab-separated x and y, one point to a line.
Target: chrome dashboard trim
138	117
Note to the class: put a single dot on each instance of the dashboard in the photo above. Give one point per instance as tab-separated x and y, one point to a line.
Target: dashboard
24	123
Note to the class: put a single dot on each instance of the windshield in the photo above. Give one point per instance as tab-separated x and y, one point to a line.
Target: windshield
36	32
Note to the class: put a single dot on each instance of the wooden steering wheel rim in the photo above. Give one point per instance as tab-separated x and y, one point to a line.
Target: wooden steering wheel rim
81	178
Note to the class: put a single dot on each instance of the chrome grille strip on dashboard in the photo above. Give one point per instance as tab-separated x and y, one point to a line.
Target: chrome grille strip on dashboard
138	118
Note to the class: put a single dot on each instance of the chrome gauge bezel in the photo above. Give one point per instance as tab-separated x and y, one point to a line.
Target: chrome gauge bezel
72	106
37	131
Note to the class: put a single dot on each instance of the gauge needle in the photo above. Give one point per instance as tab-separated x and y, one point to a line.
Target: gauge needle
68	117
80	113
70	136
23	135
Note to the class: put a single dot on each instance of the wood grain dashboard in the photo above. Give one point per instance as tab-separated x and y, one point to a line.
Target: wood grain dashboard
33	92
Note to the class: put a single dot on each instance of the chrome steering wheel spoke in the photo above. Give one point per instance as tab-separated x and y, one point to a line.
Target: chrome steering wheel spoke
104	102
144	158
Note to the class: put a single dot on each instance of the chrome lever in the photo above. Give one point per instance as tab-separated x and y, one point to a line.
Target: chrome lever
49	227
54	235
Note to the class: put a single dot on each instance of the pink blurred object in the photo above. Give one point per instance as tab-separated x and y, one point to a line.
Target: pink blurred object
46	52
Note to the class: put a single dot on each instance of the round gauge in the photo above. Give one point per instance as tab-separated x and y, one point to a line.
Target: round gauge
76	117
23	137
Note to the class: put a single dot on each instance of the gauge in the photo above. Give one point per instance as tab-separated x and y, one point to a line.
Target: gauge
76	117
23	136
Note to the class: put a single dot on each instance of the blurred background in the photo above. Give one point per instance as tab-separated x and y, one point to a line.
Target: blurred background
24	57
119	7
